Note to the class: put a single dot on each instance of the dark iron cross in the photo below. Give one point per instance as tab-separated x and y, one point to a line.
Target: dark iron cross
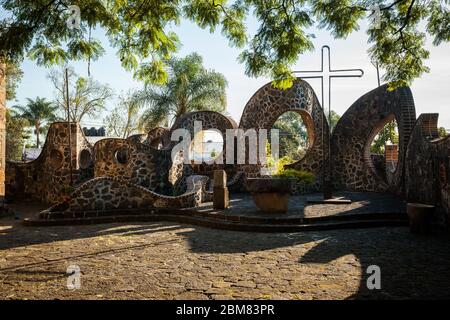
325	74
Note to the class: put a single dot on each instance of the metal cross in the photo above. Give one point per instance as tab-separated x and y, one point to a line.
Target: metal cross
327	73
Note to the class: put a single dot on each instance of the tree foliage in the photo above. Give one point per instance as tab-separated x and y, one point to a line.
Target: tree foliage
16	135
123	120
293	135
87	97
38	113
141	32
190	87
13	76
389	134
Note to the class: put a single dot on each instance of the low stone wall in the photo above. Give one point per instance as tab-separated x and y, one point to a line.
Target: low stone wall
106	193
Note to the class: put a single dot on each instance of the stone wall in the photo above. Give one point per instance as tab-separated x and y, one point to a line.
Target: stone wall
269	103
428	167
353	168
48	178
106	193
136	162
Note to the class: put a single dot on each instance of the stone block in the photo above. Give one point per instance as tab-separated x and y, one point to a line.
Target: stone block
220	179
221	198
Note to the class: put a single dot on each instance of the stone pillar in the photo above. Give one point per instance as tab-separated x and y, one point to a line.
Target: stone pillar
2	129
220	191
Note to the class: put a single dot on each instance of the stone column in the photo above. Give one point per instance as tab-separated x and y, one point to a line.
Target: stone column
2	129
220	190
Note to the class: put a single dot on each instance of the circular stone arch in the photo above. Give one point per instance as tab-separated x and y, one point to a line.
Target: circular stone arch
352	166
269	103
211	120
307	121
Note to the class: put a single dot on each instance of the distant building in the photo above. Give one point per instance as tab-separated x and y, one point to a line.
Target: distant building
94	132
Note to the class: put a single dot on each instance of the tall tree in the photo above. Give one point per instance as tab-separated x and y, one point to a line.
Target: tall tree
124	118
16	135
190	87
15	126
13	76
38	112
141	31
87	97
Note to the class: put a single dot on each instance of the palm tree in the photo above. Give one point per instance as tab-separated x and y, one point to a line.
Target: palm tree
38	112
190	87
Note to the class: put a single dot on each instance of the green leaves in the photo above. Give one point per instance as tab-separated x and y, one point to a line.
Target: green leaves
398	46
140	30
47	56
189	87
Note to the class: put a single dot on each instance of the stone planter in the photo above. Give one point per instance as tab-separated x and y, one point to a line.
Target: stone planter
270	194
420	216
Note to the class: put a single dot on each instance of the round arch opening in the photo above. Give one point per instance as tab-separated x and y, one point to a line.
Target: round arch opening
85	159
382	148
206	146
296	135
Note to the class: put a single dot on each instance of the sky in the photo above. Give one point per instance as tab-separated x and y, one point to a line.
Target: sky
431	92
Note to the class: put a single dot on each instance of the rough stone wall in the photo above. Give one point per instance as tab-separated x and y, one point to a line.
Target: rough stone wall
106	193
427	170
48	178
210	120
350	145
158	137
269	103
136	162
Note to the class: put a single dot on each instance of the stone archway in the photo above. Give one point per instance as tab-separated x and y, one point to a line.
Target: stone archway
210	120
268	103
352	167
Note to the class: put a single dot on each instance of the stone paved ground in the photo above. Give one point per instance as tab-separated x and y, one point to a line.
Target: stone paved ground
362	202
172	261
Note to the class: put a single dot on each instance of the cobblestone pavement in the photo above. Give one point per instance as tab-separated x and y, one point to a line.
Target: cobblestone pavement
172	261
362	202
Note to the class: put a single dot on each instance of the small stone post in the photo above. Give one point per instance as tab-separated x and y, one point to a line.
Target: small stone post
220	191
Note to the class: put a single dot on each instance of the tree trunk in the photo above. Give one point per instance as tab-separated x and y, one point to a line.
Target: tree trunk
2	129
36	127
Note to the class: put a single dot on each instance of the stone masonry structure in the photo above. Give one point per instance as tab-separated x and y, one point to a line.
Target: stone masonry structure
116	173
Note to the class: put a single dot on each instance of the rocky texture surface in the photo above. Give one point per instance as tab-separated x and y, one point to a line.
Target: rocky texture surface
428	168
269	103
106	193
47	178
353	168
172	261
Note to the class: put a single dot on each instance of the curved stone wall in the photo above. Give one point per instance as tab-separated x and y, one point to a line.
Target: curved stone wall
352	165
47	178
427	168
106	193
266	106
138	163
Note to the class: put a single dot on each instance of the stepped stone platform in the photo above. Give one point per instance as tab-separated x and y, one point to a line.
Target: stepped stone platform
366	210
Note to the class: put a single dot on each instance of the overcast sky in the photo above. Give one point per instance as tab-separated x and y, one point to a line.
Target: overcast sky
431	92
